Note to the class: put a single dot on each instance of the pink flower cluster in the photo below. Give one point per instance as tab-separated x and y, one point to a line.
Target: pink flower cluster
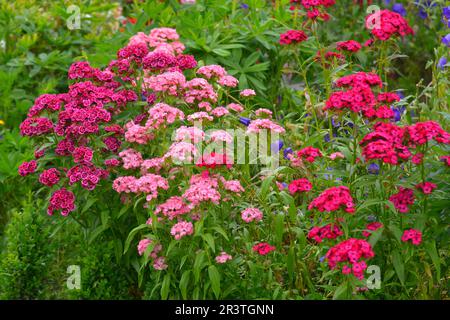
350	46
309	154
403	199
359	97
350	253
63	200
27	168
390	142
251	214
293	36
333	199
257	125
300	185
223	257
173	207
49	177
426	187
372	227
181	229
413	235
329	231
263	248
385	24
147	184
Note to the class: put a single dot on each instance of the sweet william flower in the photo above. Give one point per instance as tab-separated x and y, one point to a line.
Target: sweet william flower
223	257
263	248
413	235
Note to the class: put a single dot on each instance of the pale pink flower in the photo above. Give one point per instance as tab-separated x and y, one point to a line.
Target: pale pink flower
199	116
212	71
189	134
181	151
182	229
160	263
228	81
263	111
131	158
220	136
336	155
235	107
162	113
223	257
251	214
247	93
220	112
259	124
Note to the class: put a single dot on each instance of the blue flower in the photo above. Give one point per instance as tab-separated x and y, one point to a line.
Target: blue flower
335	124
373	168
244	6
287	152
322	259
277	146
446	40
398	7
441	63
143	97
244	121
446	12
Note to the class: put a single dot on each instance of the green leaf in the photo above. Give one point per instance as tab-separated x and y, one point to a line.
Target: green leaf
265	187
184	282
432	251
291	263
165	287
375	236
198	265
341	292
209	240
279	228
214	276
131	236
96	233
399	266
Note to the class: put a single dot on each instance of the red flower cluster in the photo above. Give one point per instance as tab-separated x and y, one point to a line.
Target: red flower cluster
414	235
49	177
213	160
359	96
350	46
371	227
27	167
292	36
61	200
351	251
300	185
385	142
426	187
309	154
329	56
314	8
422	132
384	24
403	199
389	142
333	199
263	248
329	231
